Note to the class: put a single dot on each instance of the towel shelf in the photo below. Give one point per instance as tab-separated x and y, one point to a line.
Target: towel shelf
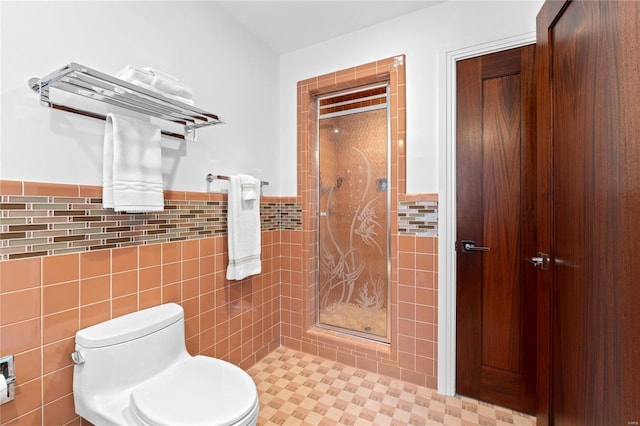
84	81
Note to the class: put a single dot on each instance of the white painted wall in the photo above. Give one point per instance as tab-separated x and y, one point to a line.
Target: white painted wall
232	74
424	36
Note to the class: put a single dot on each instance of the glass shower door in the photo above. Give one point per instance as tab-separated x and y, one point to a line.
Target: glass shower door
353	227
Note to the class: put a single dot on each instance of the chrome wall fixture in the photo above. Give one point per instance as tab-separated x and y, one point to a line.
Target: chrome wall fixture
212	177
87	82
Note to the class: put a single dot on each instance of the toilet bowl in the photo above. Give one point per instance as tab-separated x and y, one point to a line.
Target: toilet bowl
135	370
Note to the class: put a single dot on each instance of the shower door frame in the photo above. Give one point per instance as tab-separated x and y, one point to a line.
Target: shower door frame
387	107
397	358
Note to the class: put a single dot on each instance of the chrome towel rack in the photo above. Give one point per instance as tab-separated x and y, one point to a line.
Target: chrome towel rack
212	177
87	82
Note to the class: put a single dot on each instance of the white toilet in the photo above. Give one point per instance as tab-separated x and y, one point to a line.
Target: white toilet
135	370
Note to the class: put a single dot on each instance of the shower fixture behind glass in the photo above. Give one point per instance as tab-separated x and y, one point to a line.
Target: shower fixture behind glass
353	164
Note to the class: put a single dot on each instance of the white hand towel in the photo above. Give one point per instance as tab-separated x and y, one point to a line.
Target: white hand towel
243	229
132	166
250	187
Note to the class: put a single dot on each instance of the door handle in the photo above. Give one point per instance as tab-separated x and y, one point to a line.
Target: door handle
540	260
469	246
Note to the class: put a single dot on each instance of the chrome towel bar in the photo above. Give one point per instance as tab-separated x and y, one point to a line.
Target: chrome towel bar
212	177
84	81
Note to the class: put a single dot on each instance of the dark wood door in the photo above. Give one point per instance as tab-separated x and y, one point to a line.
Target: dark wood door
589	157
495	185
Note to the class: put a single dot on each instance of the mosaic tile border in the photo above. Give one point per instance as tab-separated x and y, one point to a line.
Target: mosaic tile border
418	218
44	225
38	225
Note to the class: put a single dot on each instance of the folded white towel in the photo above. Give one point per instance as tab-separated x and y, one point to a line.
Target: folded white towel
169	84
243	228
250	187
131	74
132	166
153	89
157	81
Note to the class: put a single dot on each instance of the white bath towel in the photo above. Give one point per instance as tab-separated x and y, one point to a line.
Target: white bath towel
243	229
132	166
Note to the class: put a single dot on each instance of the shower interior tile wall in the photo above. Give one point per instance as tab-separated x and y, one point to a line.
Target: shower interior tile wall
46	298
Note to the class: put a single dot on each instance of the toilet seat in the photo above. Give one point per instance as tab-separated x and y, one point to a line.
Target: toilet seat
198	391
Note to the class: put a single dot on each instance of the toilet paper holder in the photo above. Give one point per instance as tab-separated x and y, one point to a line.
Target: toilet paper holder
8	388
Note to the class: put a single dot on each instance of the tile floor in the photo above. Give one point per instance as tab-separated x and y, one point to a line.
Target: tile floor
301	389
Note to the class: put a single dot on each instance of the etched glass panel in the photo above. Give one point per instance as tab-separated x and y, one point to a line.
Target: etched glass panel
353	223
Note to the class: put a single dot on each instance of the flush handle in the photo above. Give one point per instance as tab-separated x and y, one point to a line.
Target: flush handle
77	358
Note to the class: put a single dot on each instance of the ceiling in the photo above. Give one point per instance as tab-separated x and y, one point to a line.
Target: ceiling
286	26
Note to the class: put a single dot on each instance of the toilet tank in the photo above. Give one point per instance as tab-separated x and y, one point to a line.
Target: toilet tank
120	353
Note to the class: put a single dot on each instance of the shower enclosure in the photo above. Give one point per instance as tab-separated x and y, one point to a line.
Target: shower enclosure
353	164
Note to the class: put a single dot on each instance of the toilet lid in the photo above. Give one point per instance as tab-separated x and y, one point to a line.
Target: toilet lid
199	391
